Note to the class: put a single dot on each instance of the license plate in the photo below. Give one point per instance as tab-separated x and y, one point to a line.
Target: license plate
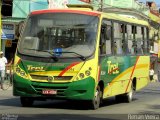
49	92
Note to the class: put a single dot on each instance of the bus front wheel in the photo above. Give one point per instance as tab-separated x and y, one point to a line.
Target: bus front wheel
26	101
97	98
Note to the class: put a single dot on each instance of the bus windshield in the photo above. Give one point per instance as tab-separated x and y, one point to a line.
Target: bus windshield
66	33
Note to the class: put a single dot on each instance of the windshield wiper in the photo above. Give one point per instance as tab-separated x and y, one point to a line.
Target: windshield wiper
53	56
79	55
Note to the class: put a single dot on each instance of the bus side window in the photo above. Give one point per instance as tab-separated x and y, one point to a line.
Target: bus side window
134	42
139	40
105	38
118	39
124	38
143	39
146	41
108	40
130	39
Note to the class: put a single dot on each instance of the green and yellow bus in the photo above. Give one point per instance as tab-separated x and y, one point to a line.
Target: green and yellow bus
81	54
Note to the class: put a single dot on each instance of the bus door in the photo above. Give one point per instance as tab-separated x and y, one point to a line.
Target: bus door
105	53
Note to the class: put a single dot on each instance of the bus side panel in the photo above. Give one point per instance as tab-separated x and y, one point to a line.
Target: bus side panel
115	72
118	73
141	72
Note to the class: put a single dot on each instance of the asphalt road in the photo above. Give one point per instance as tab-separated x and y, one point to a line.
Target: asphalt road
145	105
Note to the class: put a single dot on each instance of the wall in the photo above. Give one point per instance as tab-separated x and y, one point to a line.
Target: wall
129	4
22	8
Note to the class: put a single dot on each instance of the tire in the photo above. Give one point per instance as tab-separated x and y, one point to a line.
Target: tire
95	103
26	101
119	98
128	97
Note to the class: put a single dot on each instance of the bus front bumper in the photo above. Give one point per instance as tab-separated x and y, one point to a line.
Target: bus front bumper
80	90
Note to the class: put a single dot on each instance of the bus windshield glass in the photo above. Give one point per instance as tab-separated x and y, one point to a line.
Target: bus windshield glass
66	33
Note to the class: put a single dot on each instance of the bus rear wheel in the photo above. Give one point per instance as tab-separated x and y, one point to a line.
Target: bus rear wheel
128	97
26	101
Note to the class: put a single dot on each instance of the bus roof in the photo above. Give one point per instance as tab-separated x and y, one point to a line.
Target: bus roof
67	10
114	16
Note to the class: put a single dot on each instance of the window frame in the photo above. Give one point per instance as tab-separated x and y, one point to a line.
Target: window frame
125	37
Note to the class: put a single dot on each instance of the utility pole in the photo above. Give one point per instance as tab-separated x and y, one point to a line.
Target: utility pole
101	5
0	24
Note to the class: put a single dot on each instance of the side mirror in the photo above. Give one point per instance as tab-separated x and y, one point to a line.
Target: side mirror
21	27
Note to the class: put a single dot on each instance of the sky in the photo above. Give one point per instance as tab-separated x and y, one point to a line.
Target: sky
156	1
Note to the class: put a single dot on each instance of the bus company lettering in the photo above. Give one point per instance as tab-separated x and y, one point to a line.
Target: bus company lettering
33	68
112	68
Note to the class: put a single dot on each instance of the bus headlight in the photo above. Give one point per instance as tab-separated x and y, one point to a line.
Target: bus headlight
81	75
22	73
18	70
87	72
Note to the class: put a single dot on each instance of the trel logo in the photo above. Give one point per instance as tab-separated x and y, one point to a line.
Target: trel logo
112	68
34	68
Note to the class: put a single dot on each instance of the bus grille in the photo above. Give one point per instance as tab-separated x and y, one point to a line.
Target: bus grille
37	77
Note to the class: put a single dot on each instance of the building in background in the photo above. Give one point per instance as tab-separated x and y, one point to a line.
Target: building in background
8	28
154	16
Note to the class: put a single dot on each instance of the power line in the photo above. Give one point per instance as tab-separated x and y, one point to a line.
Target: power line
6	4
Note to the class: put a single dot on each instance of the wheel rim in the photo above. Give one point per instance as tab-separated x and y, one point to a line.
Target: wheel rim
97	98
130	94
